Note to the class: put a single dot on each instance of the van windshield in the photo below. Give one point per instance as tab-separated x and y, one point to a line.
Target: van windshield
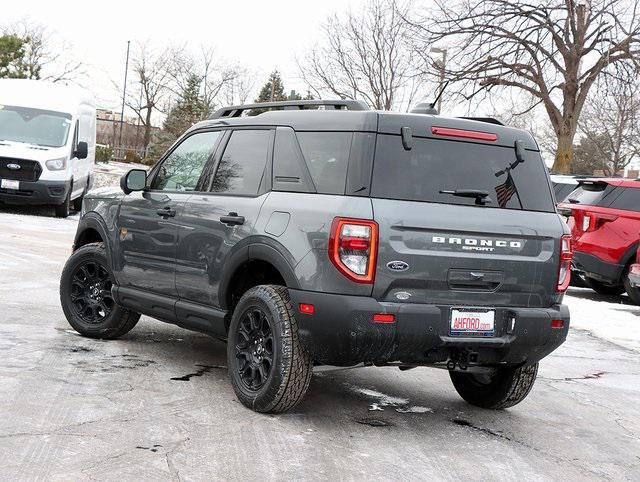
34	126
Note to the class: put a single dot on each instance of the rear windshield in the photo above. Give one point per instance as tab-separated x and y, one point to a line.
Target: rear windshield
434	165
591	193
562	190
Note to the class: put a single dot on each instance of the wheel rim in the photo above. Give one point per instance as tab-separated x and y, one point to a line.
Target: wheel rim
91	296
254	349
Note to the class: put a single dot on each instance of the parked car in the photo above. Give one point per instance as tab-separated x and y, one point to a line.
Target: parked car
563	186
47	144
633	280
337	236
605	222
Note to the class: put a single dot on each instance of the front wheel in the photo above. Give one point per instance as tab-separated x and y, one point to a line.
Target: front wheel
501	388
269	368
62	210
85	295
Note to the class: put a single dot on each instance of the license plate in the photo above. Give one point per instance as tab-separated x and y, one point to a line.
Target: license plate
10	184
472	322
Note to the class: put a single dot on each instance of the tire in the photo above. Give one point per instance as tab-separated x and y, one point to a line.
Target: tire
505	388
269	368
604	289
634	293
62	210
85	295
77	203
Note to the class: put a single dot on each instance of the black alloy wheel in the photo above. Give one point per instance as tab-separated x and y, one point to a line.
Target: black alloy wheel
91	292
254	349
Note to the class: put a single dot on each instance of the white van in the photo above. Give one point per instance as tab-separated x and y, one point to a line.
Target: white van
47	144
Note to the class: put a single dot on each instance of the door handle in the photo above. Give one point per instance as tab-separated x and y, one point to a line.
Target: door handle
166	212
232	219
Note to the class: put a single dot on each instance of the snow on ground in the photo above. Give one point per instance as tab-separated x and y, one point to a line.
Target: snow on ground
613	318
108	174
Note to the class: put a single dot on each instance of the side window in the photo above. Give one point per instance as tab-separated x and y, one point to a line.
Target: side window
182	168
74	141
242	165
327	156
628	200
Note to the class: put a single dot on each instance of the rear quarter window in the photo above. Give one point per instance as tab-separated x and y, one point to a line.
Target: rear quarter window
629	200
327	157
434	165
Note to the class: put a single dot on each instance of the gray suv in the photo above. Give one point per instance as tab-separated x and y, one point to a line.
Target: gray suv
323	233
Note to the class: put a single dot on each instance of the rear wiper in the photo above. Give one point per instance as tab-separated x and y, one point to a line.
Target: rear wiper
573	201
481	197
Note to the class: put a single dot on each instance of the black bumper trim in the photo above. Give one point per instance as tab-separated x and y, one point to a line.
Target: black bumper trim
36	193
594	267
341	332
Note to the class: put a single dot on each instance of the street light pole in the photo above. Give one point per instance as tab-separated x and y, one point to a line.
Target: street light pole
443	66
124	94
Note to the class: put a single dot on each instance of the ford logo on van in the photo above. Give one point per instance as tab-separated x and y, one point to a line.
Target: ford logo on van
14	167
397	266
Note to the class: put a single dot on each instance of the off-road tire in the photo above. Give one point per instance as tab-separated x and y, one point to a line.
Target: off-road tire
634	293
604	289
62	210
291	370
507	387
119	321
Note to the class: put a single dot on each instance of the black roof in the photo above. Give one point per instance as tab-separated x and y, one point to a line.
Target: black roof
370	121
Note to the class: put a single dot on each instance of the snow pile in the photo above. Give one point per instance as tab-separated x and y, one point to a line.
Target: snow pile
616	321
109	174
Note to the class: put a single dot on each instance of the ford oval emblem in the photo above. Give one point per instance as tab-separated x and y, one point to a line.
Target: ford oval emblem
397	266
14	167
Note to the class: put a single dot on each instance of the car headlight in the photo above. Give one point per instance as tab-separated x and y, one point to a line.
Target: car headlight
56	164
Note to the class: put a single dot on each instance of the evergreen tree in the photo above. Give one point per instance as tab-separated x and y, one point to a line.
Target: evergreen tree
273	90
12	52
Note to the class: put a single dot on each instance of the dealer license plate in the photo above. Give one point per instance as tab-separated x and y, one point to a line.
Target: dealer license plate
9	184
472	322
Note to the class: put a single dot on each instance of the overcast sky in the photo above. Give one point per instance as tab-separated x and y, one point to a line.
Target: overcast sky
261	35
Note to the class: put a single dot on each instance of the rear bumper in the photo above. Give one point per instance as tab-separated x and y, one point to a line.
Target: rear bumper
596	268
341	332
36	193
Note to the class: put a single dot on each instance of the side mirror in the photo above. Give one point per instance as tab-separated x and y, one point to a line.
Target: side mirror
134	180
82	150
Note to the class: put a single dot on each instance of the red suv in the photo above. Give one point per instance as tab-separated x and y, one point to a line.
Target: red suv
605	224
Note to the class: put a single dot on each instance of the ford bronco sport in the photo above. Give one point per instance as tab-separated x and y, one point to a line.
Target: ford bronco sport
335	236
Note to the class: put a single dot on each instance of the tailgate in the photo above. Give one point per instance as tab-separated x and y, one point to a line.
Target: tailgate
463	255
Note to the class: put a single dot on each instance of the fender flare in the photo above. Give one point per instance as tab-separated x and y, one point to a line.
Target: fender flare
628	256
97	223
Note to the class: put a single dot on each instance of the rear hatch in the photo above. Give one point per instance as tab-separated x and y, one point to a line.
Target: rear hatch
498	247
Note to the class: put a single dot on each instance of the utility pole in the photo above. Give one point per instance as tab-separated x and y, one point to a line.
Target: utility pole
124	95
442	66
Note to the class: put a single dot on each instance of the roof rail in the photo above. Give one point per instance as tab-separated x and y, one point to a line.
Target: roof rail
489	120
237	110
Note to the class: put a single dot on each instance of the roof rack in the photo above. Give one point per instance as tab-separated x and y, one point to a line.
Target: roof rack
488	120
237	110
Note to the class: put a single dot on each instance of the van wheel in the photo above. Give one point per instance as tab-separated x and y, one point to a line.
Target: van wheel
504	388
269	368
62	210
77	203
85	295
634	293
604	289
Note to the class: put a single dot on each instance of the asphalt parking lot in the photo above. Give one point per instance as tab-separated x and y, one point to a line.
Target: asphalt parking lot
157	405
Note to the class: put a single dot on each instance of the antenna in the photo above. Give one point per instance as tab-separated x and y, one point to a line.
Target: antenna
429	107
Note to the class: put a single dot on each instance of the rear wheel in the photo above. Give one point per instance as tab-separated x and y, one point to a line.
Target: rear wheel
603	288
634	293
85	295
269	368
501	388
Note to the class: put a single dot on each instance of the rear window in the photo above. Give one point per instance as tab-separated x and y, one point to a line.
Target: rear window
629	200
592	194
327	157
434	165
562	190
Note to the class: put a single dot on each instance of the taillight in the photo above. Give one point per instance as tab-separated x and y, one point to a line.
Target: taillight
594	221
463	133
564	271
353	248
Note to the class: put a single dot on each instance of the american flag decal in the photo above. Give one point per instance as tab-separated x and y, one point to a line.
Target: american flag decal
505	191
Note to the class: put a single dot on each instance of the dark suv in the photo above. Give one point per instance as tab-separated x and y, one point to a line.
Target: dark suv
338	236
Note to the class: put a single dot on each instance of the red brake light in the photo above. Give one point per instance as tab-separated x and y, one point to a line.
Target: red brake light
353	247
384	318
594	221
564	270
306	308
557	323
477	135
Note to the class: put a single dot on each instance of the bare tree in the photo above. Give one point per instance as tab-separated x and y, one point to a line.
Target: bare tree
553	50
365	55
46	55
611	120
149	87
